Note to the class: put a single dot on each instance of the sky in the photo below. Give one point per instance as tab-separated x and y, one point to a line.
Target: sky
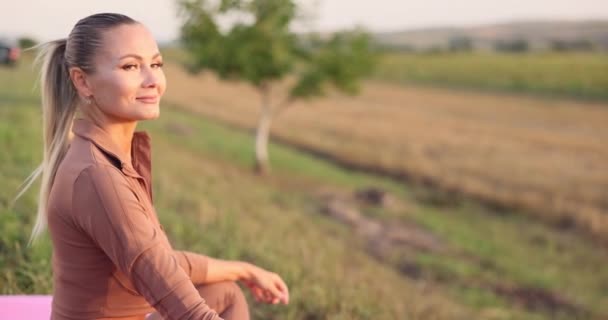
47	20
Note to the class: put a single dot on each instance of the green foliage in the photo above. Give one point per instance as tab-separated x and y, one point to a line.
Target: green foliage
258	52
514	45
26	42
264	49
344	59
460	43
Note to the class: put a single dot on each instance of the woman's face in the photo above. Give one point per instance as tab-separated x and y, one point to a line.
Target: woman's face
128	80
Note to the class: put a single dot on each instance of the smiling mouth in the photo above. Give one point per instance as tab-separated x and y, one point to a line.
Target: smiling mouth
147	99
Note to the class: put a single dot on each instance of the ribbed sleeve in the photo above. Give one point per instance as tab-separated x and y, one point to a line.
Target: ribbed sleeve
195	265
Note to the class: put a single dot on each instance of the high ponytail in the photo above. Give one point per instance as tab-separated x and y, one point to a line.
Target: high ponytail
60	99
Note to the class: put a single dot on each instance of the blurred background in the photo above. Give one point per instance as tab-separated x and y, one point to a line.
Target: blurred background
389	159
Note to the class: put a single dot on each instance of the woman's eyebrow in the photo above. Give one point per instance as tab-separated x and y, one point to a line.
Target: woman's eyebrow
138	57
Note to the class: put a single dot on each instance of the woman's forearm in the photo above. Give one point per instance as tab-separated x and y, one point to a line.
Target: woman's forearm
227	270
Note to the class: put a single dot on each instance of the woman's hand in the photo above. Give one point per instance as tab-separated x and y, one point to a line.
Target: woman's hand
266	286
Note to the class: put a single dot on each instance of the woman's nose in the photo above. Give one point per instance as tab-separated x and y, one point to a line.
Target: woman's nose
151	78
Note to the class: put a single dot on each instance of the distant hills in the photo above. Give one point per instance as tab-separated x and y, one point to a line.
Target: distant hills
536	35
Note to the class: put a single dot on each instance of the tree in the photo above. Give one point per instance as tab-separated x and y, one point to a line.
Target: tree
460	43
26	42
572	45
516	45
264	51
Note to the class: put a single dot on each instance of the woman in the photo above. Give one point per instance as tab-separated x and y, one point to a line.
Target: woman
111	257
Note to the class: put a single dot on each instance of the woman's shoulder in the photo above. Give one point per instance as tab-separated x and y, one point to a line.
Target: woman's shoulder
83	153
82	164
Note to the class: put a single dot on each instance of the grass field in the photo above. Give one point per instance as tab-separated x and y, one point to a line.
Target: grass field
573	75
479	264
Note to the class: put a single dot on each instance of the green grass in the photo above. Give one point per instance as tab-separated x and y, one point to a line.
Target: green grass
210	202
573	75
21	269
508	241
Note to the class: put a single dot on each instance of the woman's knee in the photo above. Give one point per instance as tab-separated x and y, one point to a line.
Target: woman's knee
220	295
226	298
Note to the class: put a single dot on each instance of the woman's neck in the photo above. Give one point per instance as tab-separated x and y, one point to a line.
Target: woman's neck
121	133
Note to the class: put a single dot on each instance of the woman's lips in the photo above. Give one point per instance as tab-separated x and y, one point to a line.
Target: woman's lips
148	99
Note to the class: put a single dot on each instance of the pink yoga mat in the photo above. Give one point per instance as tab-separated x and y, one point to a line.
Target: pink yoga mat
25	307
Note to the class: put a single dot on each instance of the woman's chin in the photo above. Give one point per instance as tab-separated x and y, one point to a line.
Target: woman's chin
149	114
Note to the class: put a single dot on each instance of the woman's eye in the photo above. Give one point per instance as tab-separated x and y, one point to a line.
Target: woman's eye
130	67
158	65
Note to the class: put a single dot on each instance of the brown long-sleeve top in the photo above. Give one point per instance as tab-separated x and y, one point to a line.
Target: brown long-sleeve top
111	257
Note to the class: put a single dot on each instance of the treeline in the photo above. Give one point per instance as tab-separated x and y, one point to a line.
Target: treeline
513	45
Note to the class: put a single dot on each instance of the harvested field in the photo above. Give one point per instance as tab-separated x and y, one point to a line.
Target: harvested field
542	156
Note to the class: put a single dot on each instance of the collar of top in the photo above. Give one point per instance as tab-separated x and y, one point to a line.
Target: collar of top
140	148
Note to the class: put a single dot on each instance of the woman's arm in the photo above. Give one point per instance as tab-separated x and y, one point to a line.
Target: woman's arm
204	269
109	212
226	270
265	285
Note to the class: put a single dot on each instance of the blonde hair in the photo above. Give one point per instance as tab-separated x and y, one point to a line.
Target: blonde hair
60	99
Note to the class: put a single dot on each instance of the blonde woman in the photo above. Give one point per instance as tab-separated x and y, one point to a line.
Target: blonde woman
111	257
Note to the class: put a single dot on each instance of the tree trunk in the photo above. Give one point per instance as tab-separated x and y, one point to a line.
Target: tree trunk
262	165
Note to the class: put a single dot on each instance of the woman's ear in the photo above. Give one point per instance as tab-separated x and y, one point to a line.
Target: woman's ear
79	79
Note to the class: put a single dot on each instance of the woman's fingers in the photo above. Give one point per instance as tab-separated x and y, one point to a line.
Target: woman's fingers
262	295
270	296
282	288
257	293
274	290
268	287
267	296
